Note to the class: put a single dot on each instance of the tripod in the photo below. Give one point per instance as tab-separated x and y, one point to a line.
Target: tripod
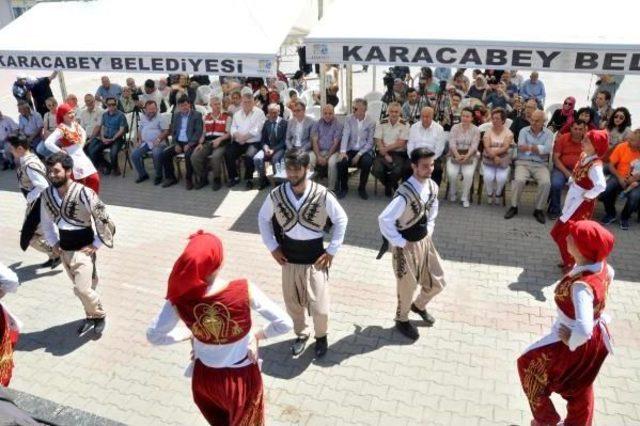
135	119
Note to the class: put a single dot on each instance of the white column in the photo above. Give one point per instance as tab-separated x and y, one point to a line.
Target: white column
349	93
323	86
63	85
374	76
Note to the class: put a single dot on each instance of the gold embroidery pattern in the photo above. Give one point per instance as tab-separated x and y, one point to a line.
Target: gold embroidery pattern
563	290
536	379
254	415
6	360
600	305
214	322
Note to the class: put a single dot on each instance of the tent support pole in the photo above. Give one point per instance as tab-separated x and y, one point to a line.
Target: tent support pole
63	85
374	77
323	85
349	93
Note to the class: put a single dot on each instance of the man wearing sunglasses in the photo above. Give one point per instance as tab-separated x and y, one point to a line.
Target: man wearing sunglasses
111	136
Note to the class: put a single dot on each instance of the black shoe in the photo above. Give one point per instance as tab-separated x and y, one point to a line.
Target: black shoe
157	181
55	262
363	194
298	345
539	215
249	184
142	179
511	212
216	185
169	182
86	326
51	263
264	182
200	184
341	194
321	346
553	216
426	316
99	325
188	184
407	329
233	182
388	191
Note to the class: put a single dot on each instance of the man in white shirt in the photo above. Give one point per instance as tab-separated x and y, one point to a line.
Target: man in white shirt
292	222
246	132
407	225
426	133
90	117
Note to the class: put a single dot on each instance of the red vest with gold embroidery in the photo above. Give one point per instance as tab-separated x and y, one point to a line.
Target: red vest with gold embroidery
597	281
6	349
221	318
69	136
580	172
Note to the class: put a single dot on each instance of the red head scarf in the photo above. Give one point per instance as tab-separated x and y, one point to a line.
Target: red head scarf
600	141
201	258
62	111
592	240
274	97
568	109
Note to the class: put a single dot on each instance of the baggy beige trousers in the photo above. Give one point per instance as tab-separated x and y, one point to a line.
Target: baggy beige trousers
38	243
305	287
84	275
418	263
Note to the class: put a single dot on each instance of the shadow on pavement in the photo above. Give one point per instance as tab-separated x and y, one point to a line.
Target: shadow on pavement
59	340
32	272
278	362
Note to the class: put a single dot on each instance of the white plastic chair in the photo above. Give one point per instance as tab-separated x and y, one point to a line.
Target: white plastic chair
307	97
373	96
374	110
551	109
314	112
203	93
202	109
281	85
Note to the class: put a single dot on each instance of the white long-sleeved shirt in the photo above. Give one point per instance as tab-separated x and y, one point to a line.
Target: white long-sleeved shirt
393	211
583	324
166	329
248	123
433	138
39	182
577	194
50	230
82	165
334	210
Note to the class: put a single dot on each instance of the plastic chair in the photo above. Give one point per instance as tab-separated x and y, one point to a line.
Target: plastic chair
202	109
373	96
281	85
314	112
307	97
551	109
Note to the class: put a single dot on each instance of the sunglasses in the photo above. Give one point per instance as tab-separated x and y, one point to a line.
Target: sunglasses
111	104
620	116
569	103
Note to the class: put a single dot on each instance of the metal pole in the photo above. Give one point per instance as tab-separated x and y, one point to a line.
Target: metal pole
374	77
63	85
349	93
320	9
323	86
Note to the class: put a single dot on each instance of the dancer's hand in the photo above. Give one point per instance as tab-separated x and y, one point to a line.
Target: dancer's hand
565	334
56	250
324	261
89	250
252	353
279	256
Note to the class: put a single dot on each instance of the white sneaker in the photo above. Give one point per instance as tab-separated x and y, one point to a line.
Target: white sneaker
465	204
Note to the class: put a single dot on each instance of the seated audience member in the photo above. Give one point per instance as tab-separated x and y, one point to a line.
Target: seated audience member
186	132
106	90
332	95
534	146
426	133
293	99
151	93
463	148
391	162
510	89
299	128
523	121
90	118
30	123
113	128
496	96
72	101
496	157
7	127
603	110
517	108
460	81
566	153
178	90
585	115
564	115
533	88
298	82
356	149
151	138
133	87
413	106
273	145
127	102
212	145
235	99
49	118
246	133
479	88
624	165
619	127
326	135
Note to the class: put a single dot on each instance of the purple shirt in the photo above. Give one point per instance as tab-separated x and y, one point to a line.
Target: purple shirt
327	133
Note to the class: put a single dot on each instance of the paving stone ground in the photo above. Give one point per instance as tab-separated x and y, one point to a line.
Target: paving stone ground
461	372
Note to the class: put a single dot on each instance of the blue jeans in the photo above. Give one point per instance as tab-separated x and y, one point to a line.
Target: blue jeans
259	159
610	196
95	151
42	150
137	159
558	181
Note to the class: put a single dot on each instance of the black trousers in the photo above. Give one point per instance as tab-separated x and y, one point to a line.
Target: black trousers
391	173
364	164
234	151
436	176
167	161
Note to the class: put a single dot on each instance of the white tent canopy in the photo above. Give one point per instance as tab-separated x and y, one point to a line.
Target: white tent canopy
545	35
163	36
